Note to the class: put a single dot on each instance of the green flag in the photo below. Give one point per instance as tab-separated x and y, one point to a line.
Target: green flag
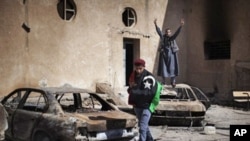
156	98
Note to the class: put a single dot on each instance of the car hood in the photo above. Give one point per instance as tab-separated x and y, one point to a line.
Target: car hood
104	120
194	106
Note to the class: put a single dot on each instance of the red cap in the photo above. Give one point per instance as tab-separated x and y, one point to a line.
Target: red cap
139	62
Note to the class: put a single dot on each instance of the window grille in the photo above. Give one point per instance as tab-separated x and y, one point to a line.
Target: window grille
217	50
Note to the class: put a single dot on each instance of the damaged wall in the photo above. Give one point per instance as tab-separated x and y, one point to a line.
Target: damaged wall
38	48
89	49
215	20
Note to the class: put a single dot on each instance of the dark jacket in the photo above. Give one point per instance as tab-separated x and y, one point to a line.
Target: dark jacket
141	95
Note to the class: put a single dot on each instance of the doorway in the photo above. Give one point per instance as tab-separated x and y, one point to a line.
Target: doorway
131	50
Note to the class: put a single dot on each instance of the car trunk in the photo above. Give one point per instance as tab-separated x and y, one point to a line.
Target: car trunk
107	120
181	105
179	112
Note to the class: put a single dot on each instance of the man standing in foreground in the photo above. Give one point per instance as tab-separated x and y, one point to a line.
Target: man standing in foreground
144	95
168	61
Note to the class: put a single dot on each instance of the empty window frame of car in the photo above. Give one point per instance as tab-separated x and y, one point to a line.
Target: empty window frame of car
81	102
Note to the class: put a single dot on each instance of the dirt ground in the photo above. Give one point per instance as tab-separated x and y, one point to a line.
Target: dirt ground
220	117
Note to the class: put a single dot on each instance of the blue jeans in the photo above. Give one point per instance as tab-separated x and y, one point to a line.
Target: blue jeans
143	116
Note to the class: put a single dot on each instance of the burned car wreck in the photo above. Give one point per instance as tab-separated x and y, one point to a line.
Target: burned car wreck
65	114
182	105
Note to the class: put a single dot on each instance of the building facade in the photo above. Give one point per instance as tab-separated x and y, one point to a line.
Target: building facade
83	42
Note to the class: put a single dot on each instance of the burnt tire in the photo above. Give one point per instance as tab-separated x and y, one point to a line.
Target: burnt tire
41	136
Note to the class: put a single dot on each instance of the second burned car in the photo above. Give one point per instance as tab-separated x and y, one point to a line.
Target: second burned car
65	114
182	105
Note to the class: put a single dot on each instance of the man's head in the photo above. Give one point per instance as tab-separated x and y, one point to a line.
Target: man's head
139	65
168	32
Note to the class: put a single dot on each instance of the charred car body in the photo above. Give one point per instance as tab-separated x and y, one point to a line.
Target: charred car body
182	105
65	114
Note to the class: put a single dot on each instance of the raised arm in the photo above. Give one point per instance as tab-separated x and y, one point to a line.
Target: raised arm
178	30
158	30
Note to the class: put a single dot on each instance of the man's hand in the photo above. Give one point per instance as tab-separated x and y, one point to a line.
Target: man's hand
182	22
155	21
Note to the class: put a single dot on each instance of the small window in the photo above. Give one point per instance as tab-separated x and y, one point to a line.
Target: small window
80	102
66	9
91	103
35	102
182	94
129	17
66	100
217	50
14	100
190	94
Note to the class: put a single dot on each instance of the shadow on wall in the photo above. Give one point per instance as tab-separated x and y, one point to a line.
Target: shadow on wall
217	23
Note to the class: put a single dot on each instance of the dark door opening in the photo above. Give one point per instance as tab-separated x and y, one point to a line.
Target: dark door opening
131	51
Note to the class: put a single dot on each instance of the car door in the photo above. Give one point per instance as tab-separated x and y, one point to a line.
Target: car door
23	123
27	115
10	103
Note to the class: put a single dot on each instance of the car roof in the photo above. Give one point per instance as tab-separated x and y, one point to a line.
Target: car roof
66	90
59	90
180	85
